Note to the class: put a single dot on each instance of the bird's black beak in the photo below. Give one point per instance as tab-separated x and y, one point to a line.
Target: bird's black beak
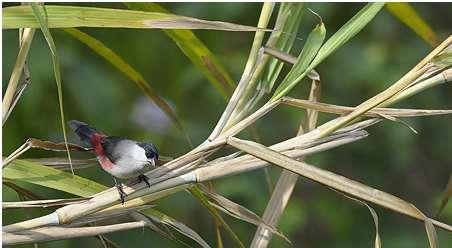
152	162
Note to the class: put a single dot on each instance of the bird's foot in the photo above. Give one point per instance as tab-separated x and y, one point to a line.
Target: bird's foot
122	194
144	178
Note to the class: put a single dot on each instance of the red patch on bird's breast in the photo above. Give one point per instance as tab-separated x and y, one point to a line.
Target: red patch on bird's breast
104	161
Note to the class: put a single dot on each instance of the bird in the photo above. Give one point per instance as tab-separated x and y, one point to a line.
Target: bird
121	157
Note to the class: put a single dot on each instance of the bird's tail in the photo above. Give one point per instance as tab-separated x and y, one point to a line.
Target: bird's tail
84	131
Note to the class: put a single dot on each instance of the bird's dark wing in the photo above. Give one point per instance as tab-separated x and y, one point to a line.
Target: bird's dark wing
109	145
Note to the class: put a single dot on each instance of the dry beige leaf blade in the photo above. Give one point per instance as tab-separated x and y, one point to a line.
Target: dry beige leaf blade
176	225
108	214
110	197
42	144
11	89
397	120
375	112
287	180
374	217
62	163
332	180
238	211
57	147
431	233
391	91
44	234
42	203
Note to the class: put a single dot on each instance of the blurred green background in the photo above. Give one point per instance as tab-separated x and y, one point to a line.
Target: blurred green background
393	159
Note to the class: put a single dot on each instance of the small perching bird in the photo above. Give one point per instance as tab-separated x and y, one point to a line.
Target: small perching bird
120	157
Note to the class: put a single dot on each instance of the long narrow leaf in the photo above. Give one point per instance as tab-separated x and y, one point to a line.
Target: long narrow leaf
375	112
196	192
195	50
345	33
348	31
445	196
45	234
238	211
285	37
300	69
176	225
52	178
334	181
56	68
12	89
74	16
114	59
409	16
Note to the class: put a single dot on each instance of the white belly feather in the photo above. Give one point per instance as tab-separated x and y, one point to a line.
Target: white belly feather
131	161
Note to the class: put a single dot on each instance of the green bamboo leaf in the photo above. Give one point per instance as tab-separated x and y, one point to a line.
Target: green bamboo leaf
56	69
24	171
74	16
195	50
409	16
299	70
114	59
289	16
345	33
348	31
29	172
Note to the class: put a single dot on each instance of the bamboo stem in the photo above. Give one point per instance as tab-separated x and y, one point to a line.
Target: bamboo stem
28	34
408	78
287	180
264	18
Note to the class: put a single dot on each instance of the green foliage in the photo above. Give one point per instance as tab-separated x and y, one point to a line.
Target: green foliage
29	172
69	16
195	50
350	75
114	59
409	16
345	33
56	69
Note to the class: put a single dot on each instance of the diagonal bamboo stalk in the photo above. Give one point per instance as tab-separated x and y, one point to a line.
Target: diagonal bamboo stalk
332	180
375	112
250	66
110	197
397	87
287	180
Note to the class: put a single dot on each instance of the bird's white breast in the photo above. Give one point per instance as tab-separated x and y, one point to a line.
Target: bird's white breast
131	160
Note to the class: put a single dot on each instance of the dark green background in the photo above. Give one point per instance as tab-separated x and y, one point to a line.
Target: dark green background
393	159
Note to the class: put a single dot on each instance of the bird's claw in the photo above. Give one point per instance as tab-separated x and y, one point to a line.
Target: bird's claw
144	178
122	194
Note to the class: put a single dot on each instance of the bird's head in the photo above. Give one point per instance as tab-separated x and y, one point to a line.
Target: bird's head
151	152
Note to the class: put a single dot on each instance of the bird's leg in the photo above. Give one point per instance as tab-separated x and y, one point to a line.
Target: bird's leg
121	192
144	178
